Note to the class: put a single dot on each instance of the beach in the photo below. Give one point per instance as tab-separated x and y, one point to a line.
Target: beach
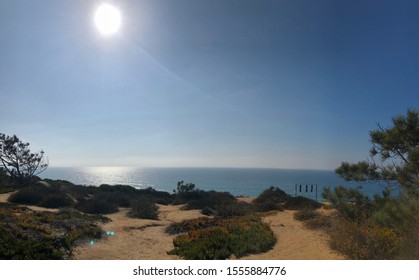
141	239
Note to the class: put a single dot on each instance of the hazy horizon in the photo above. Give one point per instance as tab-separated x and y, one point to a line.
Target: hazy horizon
221	83
183	167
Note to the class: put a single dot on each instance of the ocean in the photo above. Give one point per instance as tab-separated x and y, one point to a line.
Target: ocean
237	181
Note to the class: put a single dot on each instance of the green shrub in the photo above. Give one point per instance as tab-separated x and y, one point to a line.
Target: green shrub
184	188
96	206
14	247
192	225
73	214
118	198
300	202
270	199
56	200
29	196
223	203
25	234
306	214
186	197
159	197
207	211
221	238
144	209
234	208
351	203
6	189
322	222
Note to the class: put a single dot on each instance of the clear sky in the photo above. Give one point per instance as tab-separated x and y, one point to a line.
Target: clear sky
214	83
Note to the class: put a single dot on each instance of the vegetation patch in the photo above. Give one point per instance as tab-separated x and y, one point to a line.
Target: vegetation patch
270	199
306	214
26	234
222	204
365	241
56	200
300	202
6	190
96	206
221	238
49	197
385	226
144	209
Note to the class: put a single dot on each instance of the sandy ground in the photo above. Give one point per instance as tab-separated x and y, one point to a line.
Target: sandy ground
138	239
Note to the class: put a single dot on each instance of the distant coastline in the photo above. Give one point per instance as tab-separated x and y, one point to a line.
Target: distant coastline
237	181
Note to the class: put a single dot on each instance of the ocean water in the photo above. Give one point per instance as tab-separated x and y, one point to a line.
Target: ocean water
237	181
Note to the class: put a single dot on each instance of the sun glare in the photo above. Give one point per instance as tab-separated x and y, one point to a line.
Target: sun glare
107	19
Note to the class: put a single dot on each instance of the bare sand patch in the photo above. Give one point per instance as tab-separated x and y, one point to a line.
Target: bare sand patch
136	239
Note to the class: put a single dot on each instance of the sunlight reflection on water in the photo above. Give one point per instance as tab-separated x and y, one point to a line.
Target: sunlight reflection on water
238	181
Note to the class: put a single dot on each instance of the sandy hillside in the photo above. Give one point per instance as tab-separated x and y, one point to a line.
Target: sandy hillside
138	239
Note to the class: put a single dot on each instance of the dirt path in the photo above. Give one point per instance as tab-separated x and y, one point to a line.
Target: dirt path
295	242
136	239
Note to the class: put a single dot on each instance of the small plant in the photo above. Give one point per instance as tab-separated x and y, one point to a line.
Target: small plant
270	199
56	200
192	225
96	206
306	214
184	188
300	202
144	209
28	196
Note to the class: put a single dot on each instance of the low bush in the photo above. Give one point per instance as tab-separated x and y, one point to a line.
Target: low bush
221	203
14	247
270	199
28	196
306	214
144	209
300	202
385	227
49	197
118	198
234	208
362	241
322	222
192	225
96	206
222	238
160	197
25	234
351	203
56	200
207	211
6	190
183	198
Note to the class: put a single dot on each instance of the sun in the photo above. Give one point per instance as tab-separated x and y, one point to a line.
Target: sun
107	19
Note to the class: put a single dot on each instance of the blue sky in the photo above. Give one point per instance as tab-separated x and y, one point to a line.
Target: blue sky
220	83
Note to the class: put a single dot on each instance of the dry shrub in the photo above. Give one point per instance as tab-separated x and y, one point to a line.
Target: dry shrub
362	241
144	209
